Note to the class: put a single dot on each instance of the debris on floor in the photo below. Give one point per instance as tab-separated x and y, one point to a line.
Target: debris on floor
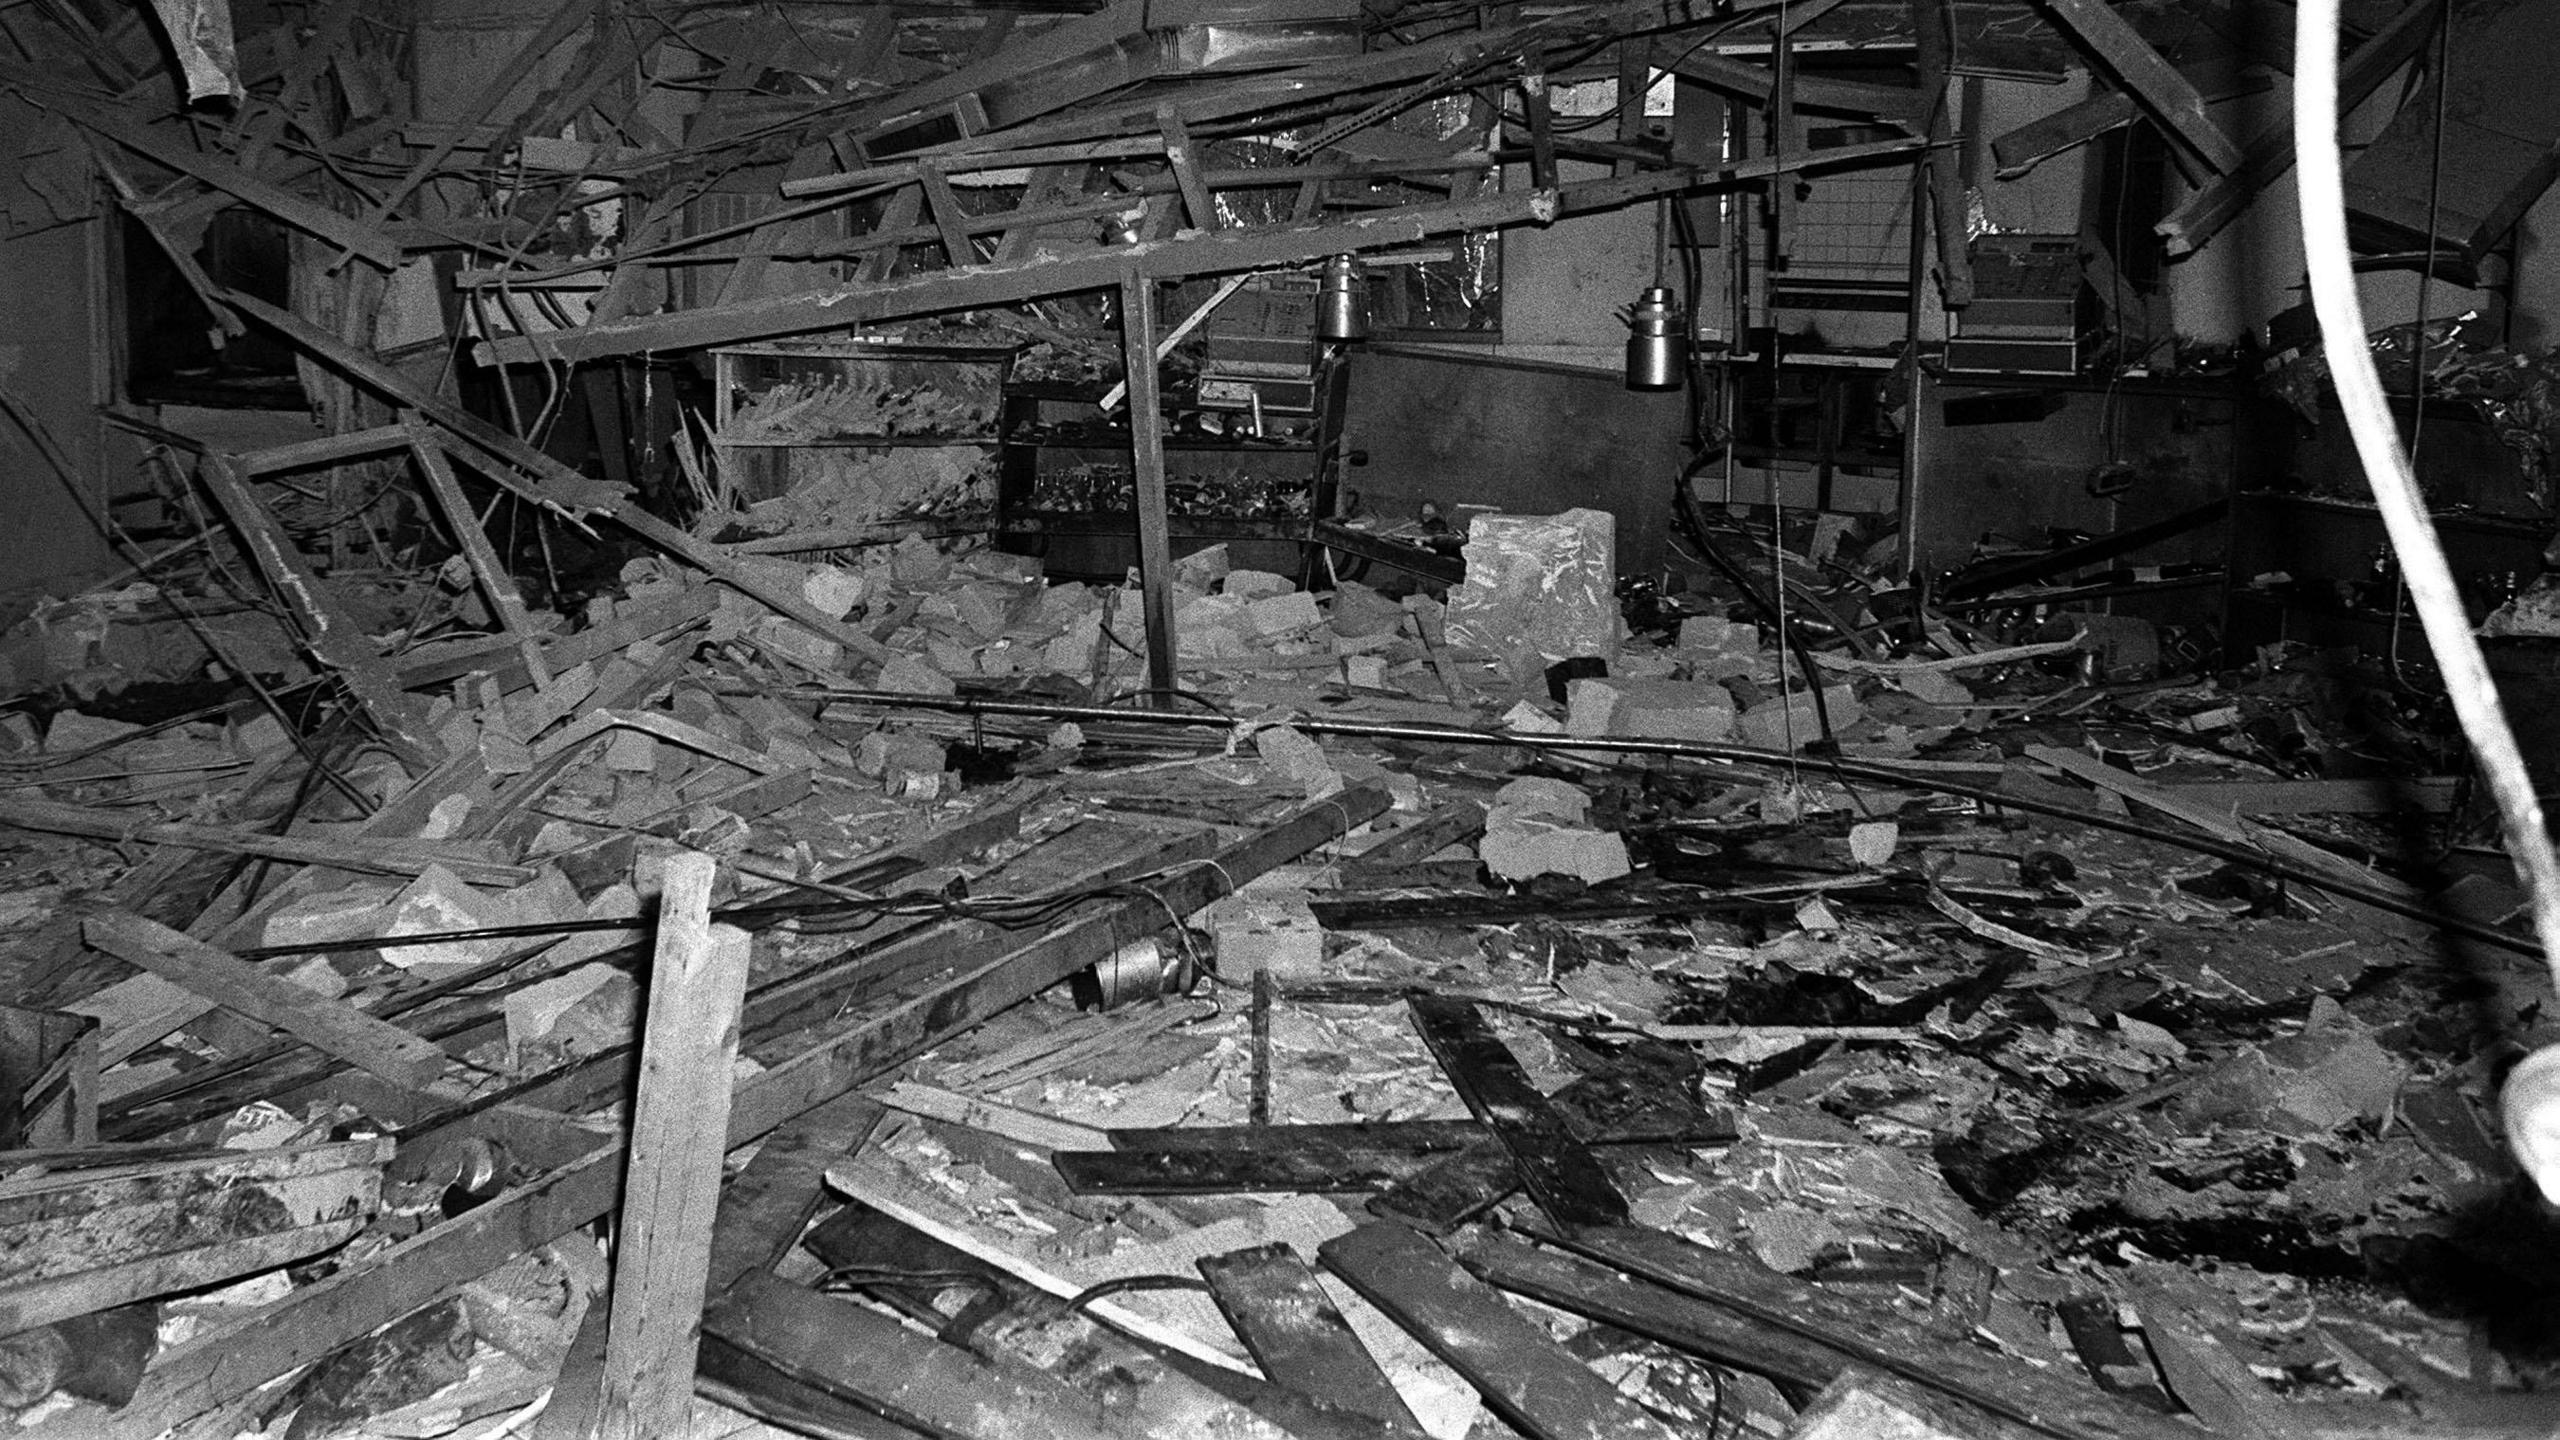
1985	1048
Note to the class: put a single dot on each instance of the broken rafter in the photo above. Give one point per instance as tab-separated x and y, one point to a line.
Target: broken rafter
2270	151
2163	93
1218	252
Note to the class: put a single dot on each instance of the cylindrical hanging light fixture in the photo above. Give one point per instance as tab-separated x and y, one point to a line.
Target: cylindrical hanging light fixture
1657	335
1342	301
1657	342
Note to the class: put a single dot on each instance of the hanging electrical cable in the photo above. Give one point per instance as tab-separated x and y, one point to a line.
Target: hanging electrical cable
2532	1096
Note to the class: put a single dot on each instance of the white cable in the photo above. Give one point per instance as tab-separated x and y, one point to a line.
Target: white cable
2533	1098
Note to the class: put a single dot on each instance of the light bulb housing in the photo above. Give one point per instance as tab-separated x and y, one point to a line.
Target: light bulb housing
1342	301
1657	342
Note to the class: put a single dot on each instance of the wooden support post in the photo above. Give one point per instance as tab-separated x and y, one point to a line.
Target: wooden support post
1542	130
331	1026
1146	447
1635	74
1049	185
2155	85
679	1127
1782	140
1930	22
331	634
947	219
1186	169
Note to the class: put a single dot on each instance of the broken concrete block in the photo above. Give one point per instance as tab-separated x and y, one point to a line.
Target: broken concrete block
905	674
435	902
1543	583
1279	616
1589	706
633	752
798	643
1774	721
1358	610
1528	719
350	913
833	592
985	607
1202	568
72	730
1522	847
1297	759
1671	710
1251	585
1536	795
1366	672
1278	933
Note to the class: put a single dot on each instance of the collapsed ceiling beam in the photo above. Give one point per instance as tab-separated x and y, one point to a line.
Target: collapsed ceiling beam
2158	88
2270	152
1216	253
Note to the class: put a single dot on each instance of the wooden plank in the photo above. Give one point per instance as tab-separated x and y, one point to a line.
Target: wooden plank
2423	794
1564	1178
331	634
331	1026
2163	93
1295	1333
1216	252
1146	446
1341	1159
636	622
764	1209
78	1242
1455	823
1178	153
496	585
1526	1377
2048	1399
1284	1161
370	856
1020	1126
2020	150
697	980
1589	1288
862	1355
322	450
1863	1404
